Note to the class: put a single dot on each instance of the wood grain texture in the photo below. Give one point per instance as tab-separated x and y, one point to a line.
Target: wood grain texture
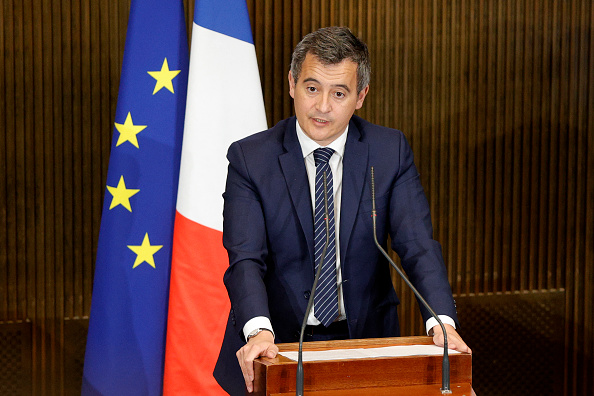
277	375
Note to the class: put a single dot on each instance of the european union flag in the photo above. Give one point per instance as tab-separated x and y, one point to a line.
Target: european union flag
126	341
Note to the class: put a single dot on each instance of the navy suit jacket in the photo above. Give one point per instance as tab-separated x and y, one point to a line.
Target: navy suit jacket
268	233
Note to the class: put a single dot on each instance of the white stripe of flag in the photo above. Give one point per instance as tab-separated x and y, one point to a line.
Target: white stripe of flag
224	105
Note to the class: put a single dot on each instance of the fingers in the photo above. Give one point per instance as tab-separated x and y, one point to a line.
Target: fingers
246	356
250	351
457	344
454	339
247	368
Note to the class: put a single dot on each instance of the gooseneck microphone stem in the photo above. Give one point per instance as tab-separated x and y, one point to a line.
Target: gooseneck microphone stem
445	368
299	385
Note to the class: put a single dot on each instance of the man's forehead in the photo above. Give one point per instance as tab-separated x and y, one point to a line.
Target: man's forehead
313	70
312	58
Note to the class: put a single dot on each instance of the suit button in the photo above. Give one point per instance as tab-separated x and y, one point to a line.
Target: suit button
307	294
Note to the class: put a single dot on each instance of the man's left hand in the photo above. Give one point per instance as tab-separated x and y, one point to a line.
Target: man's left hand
454	339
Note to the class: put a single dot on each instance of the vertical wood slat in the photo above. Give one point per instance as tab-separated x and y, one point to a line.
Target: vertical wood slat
535	67
493	96
5	270
68	142
588	308
468	136
53	92
12	289
38	74
524	142
495	162
580	118
459	130
91	158
509	236
81	166
19	186
61	151
571	90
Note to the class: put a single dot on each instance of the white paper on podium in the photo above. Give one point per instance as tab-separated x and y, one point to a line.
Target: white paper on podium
367	353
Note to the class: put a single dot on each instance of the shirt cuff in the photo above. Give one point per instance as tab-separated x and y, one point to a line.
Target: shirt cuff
432	322
259	322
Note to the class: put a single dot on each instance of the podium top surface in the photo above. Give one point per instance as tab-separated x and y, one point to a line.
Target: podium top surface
343	344
378	375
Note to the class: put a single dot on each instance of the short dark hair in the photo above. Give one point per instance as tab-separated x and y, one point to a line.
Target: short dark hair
332	45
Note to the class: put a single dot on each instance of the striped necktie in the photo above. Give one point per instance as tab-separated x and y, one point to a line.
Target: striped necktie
326	295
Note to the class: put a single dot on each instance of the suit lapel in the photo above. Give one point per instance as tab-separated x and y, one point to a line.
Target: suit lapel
293	167
354	173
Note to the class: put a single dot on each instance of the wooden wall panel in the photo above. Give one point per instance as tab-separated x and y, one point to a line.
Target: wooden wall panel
58	90
494	96
495	99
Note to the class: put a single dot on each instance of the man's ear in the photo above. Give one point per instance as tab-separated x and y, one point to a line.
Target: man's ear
361	97
291	85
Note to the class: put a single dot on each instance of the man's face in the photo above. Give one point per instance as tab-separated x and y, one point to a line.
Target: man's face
325	98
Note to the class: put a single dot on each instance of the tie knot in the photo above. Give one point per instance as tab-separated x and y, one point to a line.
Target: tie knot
322	155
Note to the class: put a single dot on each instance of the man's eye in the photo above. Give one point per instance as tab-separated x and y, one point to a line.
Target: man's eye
339	94
311	89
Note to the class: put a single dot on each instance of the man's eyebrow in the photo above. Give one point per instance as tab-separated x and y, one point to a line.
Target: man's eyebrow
311	79
343	86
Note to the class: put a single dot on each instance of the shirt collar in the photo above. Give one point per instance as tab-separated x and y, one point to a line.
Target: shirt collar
308	145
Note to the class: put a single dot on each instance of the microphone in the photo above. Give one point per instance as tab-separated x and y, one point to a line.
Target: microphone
299	385
445	367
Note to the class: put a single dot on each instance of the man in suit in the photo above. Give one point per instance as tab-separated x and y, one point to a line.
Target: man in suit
274	223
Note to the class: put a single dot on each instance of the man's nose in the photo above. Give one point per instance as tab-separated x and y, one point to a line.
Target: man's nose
324	105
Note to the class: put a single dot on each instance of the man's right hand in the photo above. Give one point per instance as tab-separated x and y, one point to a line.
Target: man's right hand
260	345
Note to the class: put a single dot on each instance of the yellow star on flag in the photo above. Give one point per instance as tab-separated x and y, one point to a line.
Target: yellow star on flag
121	195
164	77
128	131
144	252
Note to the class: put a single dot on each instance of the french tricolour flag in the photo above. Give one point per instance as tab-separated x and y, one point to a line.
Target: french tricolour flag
224	104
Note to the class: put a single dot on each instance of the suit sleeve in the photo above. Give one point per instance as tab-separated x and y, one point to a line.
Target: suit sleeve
412	237
244	237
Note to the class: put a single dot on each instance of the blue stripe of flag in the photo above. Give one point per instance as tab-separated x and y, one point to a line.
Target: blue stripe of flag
228	17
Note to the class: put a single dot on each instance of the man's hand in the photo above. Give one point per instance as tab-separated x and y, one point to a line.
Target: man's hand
260	345
454	339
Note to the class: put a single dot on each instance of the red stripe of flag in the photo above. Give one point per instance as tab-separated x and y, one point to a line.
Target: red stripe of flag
195	351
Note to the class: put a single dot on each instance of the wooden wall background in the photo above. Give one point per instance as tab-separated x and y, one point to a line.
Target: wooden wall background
496	98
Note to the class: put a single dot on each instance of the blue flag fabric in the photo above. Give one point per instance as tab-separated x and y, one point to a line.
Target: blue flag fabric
229	17
126	340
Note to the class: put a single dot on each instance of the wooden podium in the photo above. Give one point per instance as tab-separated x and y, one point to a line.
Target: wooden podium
411	375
